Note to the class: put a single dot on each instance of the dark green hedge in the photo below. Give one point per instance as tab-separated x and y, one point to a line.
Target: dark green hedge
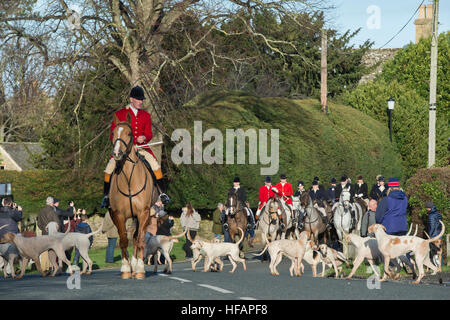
311	144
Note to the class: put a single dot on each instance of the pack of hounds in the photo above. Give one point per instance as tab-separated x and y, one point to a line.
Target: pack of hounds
391	250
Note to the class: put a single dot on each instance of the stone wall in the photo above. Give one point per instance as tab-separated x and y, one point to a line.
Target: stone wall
374	56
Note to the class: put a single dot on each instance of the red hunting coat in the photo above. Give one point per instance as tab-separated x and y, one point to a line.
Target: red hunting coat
285	192
141	125
265	193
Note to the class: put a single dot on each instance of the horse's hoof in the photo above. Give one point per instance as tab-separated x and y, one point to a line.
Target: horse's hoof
125	275
140	275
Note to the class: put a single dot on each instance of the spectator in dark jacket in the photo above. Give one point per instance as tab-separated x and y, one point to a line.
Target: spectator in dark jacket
82	227
63	215
434	216
10	216
391	211
164	224
46	215
217	222
369	219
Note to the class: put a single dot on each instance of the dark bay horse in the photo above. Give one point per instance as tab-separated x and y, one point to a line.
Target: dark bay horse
236	218
313	222
131	196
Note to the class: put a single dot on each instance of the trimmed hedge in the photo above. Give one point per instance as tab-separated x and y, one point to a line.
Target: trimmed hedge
311	144
31	188
429	185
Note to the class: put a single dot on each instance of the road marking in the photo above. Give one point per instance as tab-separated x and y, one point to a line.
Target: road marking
215	288
162	274
225	265
180	279
247	298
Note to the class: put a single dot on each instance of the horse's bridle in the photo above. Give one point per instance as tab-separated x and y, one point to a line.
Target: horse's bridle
127	153
130	143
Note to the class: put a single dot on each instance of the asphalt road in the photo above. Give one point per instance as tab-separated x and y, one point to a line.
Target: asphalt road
184	284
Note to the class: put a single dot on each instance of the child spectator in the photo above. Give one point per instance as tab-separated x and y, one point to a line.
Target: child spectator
82	227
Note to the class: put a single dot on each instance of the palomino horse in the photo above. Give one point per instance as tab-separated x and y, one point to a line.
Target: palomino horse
236	218
343	219
313	222
130	196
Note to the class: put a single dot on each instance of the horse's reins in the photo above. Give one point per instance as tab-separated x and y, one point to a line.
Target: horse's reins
128	180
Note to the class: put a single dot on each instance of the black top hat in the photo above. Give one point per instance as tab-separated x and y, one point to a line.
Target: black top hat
268	179
316	179
137	93
315	183
236	179
283	176
343	178
333	180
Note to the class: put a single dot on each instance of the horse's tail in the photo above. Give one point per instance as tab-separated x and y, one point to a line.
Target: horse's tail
439	235
97	231
265	248
242	237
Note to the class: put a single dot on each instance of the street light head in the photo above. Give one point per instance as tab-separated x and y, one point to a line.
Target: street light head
391	103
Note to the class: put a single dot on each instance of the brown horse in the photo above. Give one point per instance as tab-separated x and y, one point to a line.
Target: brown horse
313	222
130	196
236	218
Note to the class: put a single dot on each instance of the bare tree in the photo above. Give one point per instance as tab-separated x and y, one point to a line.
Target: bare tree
131	34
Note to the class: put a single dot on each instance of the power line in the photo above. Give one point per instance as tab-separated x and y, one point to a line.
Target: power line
403	26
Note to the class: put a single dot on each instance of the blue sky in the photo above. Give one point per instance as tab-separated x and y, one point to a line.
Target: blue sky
352	14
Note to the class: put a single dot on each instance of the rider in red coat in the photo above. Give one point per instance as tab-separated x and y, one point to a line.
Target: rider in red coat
266	192
285	189
141	125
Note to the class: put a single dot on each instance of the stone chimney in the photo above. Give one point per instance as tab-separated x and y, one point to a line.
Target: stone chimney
424	23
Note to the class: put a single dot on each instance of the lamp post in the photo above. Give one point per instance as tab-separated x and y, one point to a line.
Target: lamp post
391	103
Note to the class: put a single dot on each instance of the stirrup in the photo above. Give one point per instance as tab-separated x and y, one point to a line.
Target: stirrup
225	226
105	202
164	198
249	226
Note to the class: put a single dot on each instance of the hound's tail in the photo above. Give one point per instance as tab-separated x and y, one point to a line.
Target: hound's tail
97	231
242	237
265	248
175	238
439	235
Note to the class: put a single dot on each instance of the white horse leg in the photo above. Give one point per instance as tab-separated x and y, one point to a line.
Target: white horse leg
140	269
133	264
125	268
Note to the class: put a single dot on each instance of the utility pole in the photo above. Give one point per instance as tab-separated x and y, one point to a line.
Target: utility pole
323	73
433	80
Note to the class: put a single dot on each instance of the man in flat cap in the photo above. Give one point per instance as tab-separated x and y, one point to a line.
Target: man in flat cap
141	125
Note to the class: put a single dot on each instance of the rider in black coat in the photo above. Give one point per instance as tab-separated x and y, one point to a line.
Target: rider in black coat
331	191
242	199
344	184
376	193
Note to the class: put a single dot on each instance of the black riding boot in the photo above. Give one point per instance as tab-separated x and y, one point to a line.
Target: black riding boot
159	184
105	201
